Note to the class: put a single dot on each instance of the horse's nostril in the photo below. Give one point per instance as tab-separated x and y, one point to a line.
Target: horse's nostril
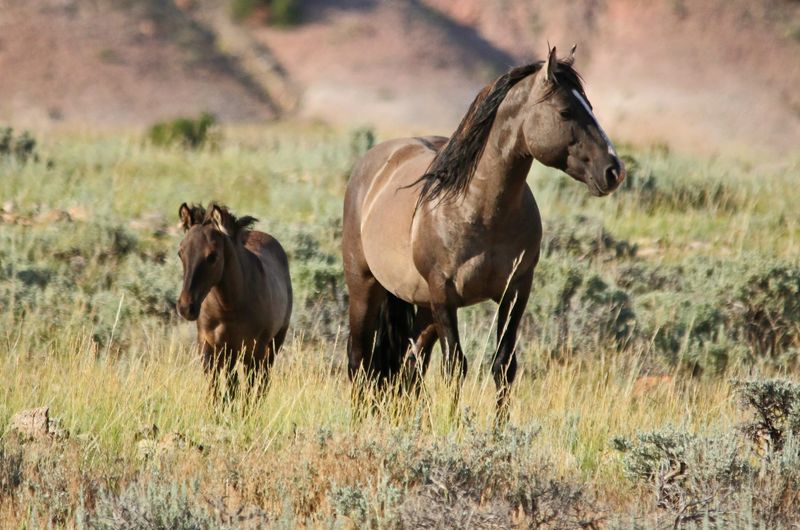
612	177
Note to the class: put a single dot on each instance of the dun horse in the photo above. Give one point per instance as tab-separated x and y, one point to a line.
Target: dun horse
236	286
433	224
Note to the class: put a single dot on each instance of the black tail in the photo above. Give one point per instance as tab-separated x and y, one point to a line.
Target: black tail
392	340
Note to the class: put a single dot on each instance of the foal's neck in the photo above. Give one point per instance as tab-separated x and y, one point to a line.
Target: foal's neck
231	289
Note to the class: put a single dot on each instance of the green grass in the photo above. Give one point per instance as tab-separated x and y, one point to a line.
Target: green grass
88	274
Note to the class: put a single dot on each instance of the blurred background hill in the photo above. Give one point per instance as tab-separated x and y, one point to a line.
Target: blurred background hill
706	76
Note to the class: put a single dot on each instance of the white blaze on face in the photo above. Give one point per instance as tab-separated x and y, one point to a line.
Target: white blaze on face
586	106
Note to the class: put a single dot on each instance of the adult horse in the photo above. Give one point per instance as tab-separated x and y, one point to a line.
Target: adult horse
433	224
236	286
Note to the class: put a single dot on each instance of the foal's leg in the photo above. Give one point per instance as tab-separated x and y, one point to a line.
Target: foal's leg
504	366
214	361
263	358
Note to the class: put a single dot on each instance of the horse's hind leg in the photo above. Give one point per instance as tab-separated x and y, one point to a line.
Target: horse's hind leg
504	366
416	363
366	297
264	356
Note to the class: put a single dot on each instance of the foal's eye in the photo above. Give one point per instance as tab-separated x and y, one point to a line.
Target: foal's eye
566	114
212	257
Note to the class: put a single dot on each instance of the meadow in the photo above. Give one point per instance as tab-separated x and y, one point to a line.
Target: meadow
659	354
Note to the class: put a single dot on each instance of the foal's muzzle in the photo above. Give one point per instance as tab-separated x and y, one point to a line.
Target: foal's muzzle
190	311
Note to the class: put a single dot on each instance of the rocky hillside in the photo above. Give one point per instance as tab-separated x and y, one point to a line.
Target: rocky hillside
709	76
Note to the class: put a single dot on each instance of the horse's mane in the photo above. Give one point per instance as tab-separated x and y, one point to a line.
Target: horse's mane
231	224
454	165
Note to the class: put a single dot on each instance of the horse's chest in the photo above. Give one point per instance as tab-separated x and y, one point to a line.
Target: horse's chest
485	275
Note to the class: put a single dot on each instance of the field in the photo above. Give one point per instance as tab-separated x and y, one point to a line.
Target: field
659	355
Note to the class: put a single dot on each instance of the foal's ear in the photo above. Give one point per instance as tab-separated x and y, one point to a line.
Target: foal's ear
550	65
185	214
220	219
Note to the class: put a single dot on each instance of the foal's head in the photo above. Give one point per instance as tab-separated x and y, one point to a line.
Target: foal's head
562	132
202	251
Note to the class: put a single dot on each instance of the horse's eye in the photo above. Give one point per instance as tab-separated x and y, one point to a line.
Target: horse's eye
212	257
566	114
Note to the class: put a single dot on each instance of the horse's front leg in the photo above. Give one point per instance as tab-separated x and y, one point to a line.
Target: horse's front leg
214	361
504	366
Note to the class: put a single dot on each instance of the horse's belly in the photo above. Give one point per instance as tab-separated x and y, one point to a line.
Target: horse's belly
386	240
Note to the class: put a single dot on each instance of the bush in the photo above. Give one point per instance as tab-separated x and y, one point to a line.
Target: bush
274	12
151	506
578	309
20	148
191	133
651	192
583	238
776	408
721	478
764	308
318	281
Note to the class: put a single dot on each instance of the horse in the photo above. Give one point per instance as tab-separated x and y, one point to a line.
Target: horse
236	285
432	224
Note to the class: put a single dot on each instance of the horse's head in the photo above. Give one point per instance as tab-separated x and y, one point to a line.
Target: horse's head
202	254
562	132
203	251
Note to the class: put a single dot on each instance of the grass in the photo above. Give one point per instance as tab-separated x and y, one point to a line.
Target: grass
88	276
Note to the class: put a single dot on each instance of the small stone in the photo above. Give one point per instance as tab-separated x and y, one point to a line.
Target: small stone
32	424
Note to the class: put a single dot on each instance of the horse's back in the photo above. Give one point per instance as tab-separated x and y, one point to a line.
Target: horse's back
275	263
379	208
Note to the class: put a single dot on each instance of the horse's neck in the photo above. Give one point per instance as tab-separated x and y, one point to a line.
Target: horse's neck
231	289
502	170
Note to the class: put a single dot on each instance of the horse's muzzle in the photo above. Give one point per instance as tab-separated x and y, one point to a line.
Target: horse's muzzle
189	311
614	175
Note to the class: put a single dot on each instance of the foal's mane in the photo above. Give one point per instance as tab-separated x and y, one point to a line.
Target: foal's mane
454	165
231	225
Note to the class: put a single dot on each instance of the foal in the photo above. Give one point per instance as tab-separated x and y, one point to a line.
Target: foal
236	286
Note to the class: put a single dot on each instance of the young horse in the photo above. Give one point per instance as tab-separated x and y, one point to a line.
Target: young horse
442	223
236	286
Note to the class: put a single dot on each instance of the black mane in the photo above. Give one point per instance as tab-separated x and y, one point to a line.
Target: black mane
453	167
232	224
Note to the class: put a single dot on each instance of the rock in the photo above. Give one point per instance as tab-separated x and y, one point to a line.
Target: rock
33	423
36	424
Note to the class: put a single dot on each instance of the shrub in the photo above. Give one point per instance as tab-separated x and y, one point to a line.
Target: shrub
152	506
318	281
722	478
21	147
191	133
691	476
578	309
276	12
764	308
584	238
10	469
482	481
776	408
647	190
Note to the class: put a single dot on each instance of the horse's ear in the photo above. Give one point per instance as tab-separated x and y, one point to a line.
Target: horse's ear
185	214
571	59
550	65
220	219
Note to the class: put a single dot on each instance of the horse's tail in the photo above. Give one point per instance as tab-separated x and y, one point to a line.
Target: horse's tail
392	339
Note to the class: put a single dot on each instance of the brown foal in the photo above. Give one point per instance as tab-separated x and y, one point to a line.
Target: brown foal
236	286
